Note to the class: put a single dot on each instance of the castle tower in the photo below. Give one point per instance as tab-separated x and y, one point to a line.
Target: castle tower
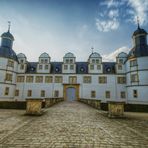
8	66
137	68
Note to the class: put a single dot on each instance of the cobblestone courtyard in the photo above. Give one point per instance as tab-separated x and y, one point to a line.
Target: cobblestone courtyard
71	125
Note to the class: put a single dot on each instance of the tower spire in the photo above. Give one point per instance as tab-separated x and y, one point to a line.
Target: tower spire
138	22
9	25
92	48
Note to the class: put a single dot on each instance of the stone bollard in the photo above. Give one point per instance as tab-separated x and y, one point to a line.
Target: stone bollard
115	109
47	102
97	104
34	106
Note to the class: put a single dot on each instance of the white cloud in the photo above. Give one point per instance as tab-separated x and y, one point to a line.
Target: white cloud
107	25
112	56
140	9
113	13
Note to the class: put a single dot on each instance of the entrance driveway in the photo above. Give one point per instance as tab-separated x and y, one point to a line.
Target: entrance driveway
72	125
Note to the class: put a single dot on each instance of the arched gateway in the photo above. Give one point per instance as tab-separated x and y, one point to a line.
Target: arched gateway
71	92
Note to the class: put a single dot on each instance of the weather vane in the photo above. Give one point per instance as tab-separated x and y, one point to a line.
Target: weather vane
9	25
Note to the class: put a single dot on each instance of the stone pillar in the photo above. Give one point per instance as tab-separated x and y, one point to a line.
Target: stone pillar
115	109
34	106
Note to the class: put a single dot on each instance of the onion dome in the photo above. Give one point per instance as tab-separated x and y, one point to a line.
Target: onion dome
139	31
7	35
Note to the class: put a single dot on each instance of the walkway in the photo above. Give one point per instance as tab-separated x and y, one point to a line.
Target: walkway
71	125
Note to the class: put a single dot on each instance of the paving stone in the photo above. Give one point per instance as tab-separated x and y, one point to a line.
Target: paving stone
71	125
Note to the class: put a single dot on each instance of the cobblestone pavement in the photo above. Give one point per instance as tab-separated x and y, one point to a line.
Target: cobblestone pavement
71	125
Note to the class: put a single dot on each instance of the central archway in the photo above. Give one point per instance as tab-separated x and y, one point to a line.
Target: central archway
71	92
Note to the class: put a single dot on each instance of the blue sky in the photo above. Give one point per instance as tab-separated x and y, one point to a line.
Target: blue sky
61	26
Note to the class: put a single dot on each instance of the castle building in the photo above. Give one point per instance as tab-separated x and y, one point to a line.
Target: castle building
126	79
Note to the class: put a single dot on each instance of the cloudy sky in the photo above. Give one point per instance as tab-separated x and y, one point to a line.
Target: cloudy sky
61	26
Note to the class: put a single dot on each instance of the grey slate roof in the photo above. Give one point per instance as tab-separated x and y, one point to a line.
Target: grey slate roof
8	53
81	67
109	67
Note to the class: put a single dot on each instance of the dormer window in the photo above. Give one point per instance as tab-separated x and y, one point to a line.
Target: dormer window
92	67
65	67
97	61
46	67
71	60
40	66
71	67
21	66
67	61
98	67
46	61
93	60
42	61
22	61
120	67
121	61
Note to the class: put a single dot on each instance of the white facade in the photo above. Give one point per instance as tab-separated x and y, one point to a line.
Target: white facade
126	79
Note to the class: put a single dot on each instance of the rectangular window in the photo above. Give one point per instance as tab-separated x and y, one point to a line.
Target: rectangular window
21	66
98	67
10	63
58	79
8	77
121	80
97	61
93	94
21	61
42	61
65	67
42	93
133	63
122	95
135	93
71	61
121	61
72	79
87	79
93	60
20	78
40	66
48	79
102	79
56	93
29	79
16	92
71	67
39	79
134	77
67	61
6	91
46	67
107	94
29	93
91	67
46	61
119	67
